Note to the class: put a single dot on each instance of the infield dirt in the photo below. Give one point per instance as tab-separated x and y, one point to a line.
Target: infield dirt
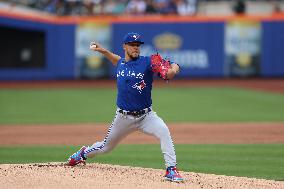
182	133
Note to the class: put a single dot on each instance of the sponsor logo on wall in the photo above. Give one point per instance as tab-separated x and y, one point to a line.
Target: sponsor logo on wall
242	48
90	64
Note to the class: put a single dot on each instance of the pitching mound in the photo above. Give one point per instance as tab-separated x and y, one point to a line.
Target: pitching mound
57	175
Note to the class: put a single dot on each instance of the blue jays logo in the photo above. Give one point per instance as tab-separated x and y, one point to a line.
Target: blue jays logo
139	86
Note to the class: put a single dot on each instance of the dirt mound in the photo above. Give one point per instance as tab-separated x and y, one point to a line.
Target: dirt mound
57	175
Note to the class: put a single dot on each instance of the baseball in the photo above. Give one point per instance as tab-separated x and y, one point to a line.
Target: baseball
93	46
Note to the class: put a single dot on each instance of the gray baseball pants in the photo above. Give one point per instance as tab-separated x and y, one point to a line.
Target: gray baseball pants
122	125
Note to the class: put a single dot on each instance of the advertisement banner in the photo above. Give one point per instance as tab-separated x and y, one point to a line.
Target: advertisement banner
242	48
90	64
196	47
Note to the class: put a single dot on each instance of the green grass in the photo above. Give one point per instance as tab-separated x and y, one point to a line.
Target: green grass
257	160
173	105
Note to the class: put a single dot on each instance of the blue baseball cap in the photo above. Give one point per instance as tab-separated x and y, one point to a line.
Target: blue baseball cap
133	37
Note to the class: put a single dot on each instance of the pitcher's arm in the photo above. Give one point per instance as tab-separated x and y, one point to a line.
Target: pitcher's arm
113	58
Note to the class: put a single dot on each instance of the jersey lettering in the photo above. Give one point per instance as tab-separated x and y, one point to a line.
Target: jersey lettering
123	73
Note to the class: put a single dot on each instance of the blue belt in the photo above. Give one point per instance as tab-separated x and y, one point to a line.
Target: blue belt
135	113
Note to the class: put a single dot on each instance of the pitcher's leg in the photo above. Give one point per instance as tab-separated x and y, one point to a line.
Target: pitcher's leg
154	125
119	129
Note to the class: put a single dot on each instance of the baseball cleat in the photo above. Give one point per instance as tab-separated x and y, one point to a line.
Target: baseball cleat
173	175
77	157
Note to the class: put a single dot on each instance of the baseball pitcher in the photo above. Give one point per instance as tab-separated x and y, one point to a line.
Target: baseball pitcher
134	103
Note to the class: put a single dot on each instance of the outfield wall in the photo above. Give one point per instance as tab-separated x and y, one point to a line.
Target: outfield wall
58	47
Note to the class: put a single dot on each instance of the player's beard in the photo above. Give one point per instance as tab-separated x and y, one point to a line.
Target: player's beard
133	55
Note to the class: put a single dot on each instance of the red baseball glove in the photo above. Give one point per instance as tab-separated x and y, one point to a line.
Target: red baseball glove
160	65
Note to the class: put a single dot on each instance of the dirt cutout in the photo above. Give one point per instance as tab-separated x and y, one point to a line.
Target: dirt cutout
102	176
182	133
